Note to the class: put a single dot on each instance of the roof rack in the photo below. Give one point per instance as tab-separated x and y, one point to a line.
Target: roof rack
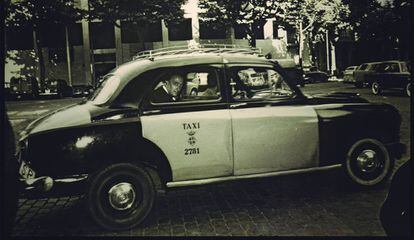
198	48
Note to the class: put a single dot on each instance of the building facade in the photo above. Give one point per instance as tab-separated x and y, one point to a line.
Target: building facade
82	52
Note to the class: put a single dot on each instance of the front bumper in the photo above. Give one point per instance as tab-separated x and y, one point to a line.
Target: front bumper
48	186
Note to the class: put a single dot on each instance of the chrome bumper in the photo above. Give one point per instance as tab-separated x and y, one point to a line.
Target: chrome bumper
45	184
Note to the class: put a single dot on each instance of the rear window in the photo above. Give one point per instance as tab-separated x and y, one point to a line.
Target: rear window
350	68
363	67
404	67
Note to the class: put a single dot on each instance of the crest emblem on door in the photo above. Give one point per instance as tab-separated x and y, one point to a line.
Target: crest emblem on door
191	138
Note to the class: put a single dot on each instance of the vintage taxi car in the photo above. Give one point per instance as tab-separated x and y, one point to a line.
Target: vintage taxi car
124	146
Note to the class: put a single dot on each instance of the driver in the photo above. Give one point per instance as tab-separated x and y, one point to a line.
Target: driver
169	91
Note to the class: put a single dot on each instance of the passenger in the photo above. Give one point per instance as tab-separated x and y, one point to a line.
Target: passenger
212	88
169	91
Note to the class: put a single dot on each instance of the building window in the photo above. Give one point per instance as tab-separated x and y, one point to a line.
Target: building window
102	35
180	31
51	35
211	30
258	31
19	38
291	36
75	34
275	30
150	33
58	55
240	32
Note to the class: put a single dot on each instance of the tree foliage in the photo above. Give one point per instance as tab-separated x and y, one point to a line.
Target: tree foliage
38	12
386	24
248	14
137	11
317	16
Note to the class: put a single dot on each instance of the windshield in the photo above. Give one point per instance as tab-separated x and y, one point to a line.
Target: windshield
105	90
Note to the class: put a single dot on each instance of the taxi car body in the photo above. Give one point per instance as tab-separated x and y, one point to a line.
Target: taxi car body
122	143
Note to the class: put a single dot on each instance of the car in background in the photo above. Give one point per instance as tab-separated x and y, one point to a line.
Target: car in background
82	90
349	74
56	87
390	75
23	87
293	71
361	72
314	75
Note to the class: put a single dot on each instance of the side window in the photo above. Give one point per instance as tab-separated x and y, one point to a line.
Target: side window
186	85
257	83
391	67
363	67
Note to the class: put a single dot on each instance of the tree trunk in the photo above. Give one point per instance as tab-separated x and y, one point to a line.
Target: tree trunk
39	54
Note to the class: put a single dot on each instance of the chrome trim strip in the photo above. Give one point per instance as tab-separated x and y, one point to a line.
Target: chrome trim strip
258	175
72	178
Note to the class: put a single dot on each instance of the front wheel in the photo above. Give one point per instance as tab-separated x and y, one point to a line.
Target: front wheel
368	163
120	196
376	88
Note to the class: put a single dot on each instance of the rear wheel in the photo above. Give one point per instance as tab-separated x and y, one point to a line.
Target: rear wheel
120	196
408	89
376	88
368	163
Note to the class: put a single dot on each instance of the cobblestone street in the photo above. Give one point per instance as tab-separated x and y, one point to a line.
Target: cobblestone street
301	205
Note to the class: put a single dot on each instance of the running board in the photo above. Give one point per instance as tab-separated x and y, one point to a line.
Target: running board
257	175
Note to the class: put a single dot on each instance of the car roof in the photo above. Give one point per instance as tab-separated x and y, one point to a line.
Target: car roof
131	69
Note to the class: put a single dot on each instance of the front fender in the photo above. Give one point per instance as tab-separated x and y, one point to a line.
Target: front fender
84	149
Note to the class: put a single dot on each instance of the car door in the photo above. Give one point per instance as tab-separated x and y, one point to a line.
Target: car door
272	129
194	130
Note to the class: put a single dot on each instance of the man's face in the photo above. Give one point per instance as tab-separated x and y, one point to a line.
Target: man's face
174	85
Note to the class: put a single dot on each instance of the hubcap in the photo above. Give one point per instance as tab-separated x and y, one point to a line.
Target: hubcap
375	88
121	196
367	161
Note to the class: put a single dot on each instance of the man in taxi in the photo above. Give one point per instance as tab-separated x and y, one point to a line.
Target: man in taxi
169	90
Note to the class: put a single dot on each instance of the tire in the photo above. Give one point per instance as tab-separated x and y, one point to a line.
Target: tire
368	163
408	89
376	88
133	183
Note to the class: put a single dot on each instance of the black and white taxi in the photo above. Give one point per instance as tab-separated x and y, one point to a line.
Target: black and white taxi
143	129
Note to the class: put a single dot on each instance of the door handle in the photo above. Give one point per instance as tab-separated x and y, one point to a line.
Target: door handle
237	105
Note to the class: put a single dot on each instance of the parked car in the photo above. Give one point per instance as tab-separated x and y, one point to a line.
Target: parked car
56	87
362	71
396	211
390	75
314	75
293	71
349	74
123	145
82	90
23	87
